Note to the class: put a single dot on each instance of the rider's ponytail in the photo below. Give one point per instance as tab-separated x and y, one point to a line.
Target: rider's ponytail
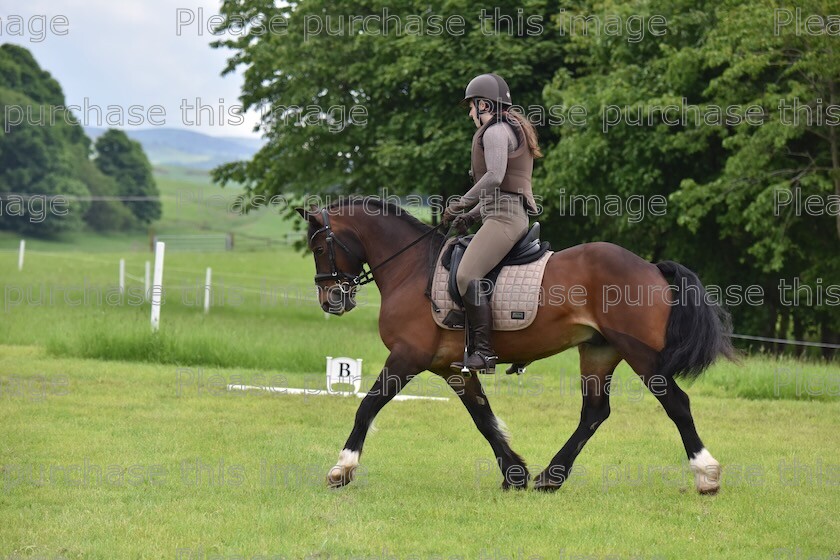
528	130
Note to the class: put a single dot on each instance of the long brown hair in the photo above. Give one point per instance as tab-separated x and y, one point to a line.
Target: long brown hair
528	130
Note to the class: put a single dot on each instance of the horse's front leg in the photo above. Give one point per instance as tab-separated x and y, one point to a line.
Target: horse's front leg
398	371
514	472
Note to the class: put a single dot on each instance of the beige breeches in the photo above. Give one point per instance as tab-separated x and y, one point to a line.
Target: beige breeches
504	223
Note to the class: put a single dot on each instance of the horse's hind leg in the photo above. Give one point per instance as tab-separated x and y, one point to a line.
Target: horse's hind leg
514	472
676	404
643	359
597	363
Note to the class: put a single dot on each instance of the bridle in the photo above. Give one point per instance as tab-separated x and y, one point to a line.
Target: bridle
346	282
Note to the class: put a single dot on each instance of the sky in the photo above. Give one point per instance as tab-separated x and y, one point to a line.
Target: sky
124	53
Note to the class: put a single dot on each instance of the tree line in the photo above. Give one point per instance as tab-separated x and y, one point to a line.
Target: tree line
726	110
107	185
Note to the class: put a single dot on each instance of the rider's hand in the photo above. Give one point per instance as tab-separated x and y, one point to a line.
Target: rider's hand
462	223
448	217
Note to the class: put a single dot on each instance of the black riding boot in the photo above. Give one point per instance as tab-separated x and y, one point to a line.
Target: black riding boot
480	323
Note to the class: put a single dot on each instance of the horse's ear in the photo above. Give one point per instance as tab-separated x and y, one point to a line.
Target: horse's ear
309	215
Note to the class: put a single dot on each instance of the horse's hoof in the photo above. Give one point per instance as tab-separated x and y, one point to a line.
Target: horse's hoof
706	473
543	483
708	482
338	477
516	483
342	473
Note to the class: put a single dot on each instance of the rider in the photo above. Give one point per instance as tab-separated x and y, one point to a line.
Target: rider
503	152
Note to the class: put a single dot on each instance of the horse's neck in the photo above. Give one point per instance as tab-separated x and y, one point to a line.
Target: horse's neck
384	238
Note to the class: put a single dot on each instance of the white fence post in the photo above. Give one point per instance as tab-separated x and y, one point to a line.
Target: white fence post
20	255
207	290
157	286
122	277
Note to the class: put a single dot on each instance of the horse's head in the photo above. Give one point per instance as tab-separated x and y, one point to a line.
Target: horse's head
338	258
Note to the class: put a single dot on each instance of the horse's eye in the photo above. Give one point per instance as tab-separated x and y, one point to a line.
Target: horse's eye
318	250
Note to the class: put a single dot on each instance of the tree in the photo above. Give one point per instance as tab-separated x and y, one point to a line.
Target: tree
106	212
19	71
124	160
45	157
718	169
39	145
716	66
762	57
403	77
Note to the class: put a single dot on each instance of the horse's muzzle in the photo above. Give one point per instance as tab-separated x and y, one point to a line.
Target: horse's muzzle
338	301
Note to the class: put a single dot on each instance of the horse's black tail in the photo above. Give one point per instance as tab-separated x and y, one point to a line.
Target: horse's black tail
698	329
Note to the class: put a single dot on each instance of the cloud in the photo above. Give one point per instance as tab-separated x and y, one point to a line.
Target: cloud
128	53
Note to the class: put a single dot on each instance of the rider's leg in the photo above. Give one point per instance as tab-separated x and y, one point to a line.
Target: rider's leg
494	239
482	358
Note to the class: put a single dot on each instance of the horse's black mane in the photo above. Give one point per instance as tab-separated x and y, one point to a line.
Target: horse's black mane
386	208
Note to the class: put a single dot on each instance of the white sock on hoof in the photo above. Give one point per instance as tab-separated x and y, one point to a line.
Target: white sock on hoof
347	463
706	472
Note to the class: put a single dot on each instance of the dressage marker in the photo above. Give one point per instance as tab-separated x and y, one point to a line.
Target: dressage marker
340	371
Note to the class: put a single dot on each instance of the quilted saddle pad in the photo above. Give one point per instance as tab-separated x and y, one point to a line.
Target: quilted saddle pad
515	300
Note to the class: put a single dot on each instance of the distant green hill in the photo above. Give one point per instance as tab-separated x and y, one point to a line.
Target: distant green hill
187	148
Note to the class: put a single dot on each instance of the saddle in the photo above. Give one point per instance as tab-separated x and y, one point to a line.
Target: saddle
527	250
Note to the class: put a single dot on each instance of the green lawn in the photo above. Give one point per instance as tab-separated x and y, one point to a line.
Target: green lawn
89	386
106	459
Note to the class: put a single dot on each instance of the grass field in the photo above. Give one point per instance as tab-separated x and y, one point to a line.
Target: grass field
116	443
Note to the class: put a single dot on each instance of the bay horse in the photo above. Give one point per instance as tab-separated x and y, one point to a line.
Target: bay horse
662	338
